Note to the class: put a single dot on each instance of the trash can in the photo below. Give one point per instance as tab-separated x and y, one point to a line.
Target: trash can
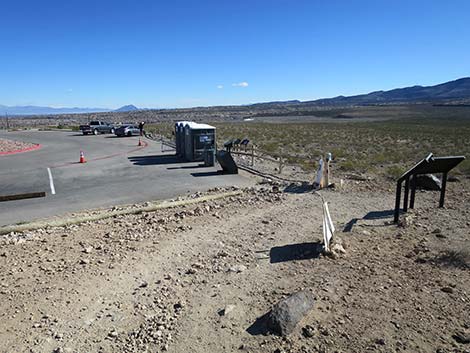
209	157
226	162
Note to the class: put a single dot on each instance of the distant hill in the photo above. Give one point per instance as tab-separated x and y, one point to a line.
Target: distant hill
37	110
450	91
127	108
457	91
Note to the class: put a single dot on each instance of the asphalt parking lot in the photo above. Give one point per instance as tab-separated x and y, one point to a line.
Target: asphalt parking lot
117	171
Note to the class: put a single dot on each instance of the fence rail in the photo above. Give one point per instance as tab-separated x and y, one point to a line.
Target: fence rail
260	155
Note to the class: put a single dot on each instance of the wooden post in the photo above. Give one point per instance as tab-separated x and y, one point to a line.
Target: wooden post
413	191
443	190
407	192
397	202
280	164
252	155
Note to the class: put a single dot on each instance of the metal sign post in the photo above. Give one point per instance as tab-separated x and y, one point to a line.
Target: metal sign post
428	165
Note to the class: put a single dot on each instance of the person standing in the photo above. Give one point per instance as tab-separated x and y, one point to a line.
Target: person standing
141	128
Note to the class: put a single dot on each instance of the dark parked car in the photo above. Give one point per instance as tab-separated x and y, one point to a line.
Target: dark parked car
127	130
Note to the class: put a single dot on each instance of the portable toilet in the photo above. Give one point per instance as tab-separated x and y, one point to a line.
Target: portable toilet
199	139
179	138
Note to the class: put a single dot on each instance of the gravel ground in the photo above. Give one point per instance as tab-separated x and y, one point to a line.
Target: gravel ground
10	145
201	278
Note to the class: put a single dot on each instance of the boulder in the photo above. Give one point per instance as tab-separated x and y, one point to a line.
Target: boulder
286	314
428	182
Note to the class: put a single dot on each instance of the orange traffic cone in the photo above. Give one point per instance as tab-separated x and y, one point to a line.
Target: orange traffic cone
140	142
82	157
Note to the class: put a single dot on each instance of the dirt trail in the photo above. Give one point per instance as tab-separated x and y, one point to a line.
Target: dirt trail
198	278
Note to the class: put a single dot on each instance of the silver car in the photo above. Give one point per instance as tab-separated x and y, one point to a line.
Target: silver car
127	130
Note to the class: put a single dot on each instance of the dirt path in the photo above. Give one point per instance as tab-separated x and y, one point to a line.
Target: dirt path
197	278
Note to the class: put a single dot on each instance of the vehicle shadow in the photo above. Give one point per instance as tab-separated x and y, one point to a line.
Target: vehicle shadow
291	252
373	215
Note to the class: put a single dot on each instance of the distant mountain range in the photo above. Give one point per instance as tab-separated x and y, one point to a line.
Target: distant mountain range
36	110
457	91
452	92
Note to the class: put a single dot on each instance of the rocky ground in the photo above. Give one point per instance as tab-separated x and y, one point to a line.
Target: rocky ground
201	278
10	145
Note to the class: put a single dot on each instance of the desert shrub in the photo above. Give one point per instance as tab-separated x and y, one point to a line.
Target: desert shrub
464	167
394	172
459	258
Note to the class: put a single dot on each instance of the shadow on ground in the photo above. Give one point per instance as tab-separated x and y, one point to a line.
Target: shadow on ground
373	215
208	174
291	252
260	326
156	160
187	167
298	188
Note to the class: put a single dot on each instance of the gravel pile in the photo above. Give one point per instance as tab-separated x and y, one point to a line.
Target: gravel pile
10	145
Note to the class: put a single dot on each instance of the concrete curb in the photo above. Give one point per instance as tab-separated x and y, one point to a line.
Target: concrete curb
107	214
30	195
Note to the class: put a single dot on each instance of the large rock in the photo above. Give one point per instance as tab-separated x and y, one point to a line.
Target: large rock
286	314
428	182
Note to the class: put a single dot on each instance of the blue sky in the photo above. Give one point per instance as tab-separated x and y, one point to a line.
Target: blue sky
196	53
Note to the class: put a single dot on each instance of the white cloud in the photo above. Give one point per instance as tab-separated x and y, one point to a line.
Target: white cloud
240	84
69	90
220	86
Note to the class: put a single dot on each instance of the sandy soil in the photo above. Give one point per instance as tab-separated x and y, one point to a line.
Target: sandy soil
200	278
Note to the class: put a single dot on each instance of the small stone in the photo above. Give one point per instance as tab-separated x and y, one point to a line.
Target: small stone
462	337
178	306
88	249
237	268
380	341
308	331
227	310
338	248
84	261
113	334
447	290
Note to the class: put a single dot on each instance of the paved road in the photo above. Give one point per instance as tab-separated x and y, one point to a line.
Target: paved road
117	172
